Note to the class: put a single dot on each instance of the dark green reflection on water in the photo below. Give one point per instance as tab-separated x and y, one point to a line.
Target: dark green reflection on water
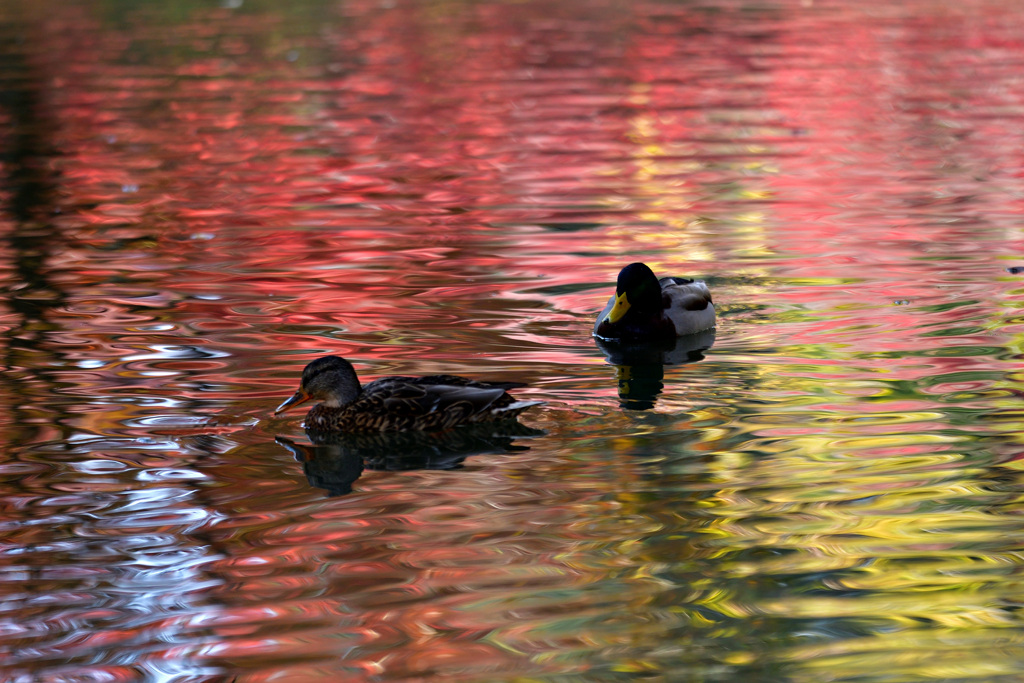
30	187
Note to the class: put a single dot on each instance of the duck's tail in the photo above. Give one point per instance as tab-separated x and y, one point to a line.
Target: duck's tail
516	407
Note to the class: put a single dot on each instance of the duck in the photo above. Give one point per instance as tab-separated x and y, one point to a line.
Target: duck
646	309
399	403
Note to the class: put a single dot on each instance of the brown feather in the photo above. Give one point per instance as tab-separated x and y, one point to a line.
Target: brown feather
407	403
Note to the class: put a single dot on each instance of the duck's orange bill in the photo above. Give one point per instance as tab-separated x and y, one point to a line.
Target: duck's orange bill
300	396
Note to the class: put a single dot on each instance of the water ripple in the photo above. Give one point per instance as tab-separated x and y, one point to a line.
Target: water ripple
829	491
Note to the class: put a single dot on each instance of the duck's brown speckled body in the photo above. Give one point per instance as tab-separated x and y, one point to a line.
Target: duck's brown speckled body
397	404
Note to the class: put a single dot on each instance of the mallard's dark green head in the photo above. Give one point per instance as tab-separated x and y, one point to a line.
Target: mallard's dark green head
636	289
330	379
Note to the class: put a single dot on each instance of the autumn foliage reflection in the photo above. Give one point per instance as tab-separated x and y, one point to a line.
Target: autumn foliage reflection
220	193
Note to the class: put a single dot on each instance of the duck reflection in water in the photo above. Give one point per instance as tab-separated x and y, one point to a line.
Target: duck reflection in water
640	366
334	461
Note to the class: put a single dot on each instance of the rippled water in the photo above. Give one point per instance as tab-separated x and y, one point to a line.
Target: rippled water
198	200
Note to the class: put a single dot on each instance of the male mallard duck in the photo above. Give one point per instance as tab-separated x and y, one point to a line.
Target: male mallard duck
398	404
645	308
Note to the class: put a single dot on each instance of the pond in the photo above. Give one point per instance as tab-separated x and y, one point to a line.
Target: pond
199	199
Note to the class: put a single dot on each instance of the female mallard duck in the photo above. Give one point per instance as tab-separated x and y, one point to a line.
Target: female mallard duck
398	404
645	308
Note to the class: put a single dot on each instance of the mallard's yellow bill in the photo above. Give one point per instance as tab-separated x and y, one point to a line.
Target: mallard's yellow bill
300	396
619	309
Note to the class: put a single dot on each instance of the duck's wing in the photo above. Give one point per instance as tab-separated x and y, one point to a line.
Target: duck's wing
457	381
682	287
688	305
414	397
692	295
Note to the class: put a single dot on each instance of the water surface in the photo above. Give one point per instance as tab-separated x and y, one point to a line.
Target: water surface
198	200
